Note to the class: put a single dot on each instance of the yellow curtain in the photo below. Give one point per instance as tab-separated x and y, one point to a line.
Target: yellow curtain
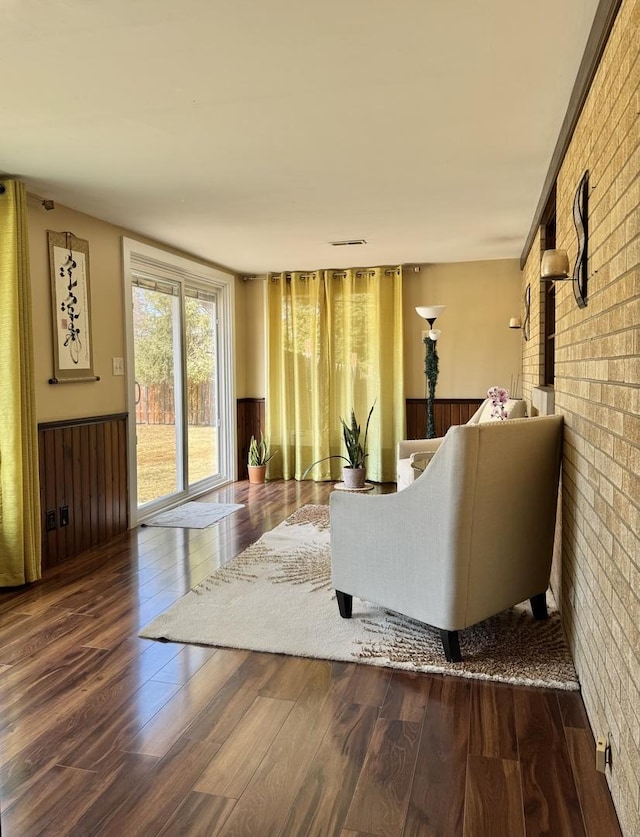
20	547
334	342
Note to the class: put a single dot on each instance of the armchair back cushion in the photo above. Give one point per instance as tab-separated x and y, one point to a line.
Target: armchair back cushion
514	408
470	538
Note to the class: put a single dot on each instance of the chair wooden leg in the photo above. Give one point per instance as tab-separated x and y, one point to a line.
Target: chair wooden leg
451	646
539	606
345	604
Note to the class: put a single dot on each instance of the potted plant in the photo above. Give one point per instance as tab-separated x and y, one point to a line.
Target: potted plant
258	457
354	472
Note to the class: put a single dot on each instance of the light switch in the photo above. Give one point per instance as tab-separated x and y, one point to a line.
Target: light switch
118	365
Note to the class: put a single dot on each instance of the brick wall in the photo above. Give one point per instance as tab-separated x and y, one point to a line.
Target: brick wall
597	389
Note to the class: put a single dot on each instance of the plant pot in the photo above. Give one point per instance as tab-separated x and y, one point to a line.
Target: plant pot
256	474
353	477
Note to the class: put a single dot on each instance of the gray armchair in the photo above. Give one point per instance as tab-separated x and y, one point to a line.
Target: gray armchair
470	538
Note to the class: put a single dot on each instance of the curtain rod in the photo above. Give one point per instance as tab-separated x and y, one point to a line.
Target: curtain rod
337	274
45	202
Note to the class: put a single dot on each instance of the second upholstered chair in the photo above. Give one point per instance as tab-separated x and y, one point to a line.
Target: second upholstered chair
415	454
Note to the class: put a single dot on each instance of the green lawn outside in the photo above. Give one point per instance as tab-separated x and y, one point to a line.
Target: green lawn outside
156	454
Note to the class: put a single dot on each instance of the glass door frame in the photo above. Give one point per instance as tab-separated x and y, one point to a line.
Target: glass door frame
144	259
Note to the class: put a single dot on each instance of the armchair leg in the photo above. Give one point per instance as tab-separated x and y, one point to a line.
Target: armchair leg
451	646
345	604
539	606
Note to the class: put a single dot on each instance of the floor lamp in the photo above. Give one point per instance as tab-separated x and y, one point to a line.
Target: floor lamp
430	313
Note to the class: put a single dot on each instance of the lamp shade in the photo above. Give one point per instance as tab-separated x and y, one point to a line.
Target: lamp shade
430	312
555	265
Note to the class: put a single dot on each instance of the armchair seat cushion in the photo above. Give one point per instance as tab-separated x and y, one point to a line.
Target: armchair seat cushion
419	462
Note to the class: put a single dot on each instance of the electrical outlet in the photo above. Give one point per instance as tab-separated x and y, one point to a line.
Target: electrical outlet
118	365
51	521
64	515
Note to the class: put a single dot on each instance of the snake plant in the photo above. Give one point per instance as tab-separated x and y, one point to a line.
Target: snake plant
356	449
259	451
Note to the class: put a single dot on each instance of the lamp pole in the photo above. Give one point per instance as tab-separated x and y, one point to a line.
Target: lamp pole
430	313
431	373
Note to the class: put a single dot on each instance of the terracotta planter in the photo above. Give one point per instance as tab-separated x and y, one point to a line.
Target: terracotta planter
256	474
353	477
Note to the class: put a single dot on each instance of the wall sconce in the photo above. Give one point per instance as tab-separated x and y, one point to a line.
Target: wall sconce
430	313
555	263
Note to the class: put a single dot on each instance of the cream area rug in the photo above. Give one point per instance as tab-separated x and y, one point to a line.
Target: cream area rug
276	596
193	515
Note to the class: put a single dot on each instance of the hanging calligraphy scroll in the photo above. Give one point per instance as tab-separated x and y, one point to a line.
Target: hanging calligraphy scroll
70	300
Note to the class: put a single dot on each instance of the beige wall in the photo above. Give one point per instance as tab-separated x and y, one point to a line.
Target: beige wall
597	389
253	327
106	396
241	339
477	349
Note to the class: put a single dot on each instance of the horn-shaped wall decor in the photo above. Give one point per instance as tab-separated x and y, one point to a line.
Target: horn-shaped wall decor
526	320
581	221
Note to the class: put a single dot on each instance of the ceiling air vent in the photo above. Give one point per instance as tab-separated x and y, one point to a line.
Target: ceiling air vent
347	243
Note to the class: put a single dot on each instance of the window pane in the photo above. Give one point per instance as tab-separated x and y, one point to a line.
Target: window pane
202	387
155	331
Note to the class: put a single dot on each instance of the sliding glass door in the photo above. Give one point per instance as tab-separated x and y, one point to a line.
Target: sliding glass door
179	364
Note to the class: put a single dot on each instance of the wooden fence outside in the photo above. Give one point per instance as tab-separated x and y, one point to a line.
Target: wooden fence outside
156	404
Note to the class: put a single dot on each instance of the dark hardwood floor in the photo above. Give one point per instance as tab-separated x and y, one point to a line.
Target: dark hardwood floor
104	733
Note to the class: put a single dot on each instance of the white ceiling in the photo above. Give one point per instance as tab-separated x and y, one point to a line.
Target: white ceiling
253	132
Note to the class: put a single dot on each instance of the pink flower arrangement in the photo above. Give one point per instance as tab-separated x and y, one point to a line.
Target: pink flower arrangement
499	398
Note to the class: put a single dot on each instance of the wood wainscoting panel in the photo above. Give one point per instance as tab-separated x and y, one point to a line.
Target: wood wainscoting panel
83	467
447	412
250	422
